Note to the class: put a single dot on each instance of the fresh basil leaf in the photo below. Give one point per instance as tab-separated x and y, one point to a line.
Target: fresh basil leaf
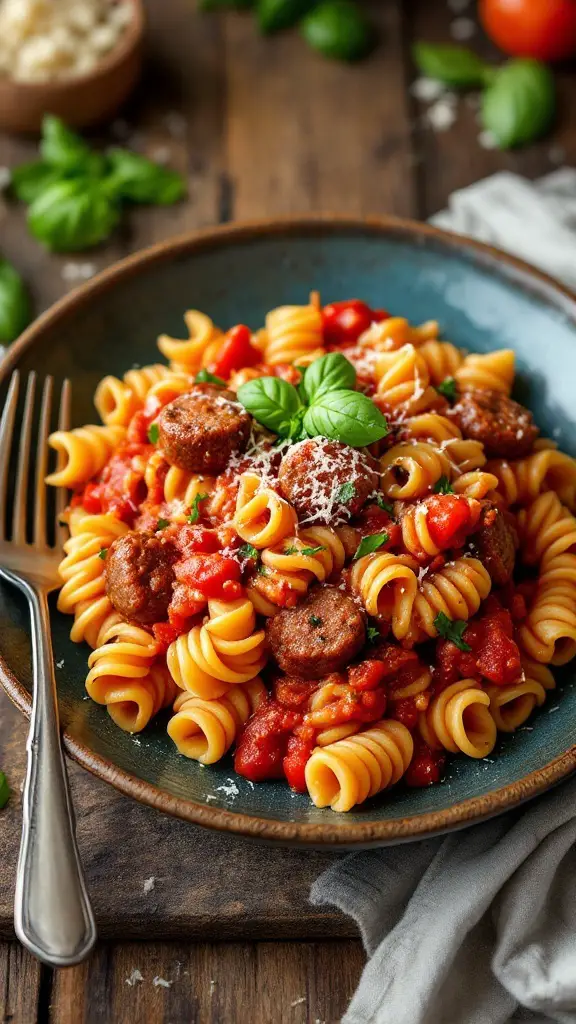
271	401
205	377
370	544
338	29
63	148
520	103
384	505
153	433
448	388
15	311
4	790
72	215
328	373
138	180
195	509
452	630
443	486
454	65
275	15
346	416
29	180
346	492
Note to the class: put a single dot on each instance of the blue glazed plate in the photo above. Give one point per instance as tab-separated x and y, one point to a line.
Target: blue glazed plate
483	300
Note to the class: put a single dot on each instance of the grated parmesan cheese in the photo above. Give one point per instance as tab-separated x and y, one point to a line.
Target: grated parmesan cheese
326	473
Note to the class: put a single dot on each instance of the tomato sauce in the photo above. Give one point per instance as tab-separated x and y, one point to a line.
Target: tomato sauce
494	654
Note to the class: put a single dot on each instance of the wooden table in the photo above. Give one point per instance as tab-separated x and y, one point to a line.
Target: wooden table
259	127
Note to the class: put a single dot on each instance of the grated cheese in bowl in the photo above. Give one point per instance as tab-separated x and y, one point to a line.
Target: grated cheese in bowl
43	40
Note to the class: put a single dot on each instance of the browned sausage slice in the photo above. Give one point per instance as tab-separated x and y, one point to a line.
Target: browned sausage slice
319	636
327	481
139	576
200	430
495	544
504	427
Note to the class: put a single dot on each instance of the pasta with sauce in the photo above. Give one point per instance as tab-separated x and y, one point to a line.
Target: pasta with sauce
332	544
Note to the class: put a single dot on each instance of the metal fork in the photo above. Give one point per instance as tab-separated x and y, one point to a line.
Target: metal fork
52	915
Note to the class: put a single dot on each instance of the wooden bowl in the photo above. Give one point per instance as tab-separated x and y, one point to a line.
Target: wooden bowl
81	100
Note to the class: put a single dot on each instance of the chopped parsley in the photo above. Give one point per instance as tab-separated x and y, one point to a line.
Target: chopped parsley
162	524
452	630
448	389
248	551
4	790
373	634
312	551
153	433
262	570
346	492
102	553
205	377
290	550
369	544
315	621
443	486
384	505
195	508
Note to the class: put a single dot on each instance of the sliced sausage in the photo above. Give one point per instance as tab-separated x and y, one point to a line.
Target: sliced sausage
200	430
319	636
139	576
327	481
495	544
505	428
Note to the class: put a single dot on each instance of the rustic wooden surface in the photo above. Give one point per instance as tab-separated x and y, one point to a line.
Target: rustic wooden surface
259	127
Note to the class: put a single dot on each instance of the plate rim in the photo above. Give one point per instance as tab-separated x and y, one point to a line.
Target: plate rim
337	834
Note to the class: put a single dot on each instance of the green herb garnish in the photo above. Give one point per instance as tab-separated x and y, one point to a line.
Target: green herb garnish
162	524
448	389
195	508
443	486
249	551
369	544
312	551
373	634
102	553
205	377
384	505
346	492
452	630
315	621
153	433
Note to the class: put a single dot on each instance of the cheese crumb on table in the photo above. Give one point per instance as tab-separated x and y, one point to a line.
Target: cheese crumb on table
41	40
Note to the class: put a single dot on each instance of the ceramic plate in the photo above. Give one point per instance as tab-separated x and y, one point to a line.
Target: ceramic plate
483	300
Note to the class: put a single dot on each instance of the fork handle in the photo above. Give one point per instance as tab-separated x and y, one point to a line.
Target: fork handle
52	915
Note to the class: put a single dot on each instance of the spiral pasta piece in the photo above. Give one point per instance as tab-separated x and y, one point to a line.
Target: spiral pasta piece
86	451
416	535
291	566
82	568
123	675
431	426
262	517
293	335
442	359
395	331
512	705
410	469
548	634
475	484
175	484
522	480
353	769
456	590
493	371
320	714
226	650
387	585
117	400
404	381
187	354
204	730
547	530
459	719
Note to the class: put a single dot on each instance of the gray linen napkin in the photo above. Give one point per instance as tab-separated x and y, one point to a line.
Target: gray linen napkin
478	927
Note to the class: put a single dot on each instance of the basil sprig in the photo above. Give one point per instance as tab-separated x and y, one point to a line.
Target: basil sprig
15	310
325	406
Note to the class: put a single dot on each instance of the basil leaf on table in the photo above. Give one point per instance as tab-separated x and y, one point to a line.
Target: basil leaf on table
62	147
519	105
273	402
327	374
72	214
15	312
4	790
338	29
135	178
454	65
346	416
274	15
29	180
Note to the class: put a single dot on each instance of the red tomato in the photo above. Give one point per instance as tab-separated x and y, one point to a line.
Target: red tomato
263	744
367	675
294	763
212	575
425	768
405	711
344	322
236	351
448	519
91	499
545	29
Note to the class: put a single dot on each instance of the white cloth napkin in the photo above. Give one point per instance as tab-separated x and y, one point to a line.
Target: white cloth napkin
478	927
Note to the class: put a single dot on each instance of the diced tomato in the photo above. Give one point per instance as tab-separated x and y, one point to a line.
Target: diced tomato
494	655
373	519
405	711
294	764
292	693
212	575
452	664
449	519
344	322
367	675
165	633
425	768
235	352
197	539
91	499
263	744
